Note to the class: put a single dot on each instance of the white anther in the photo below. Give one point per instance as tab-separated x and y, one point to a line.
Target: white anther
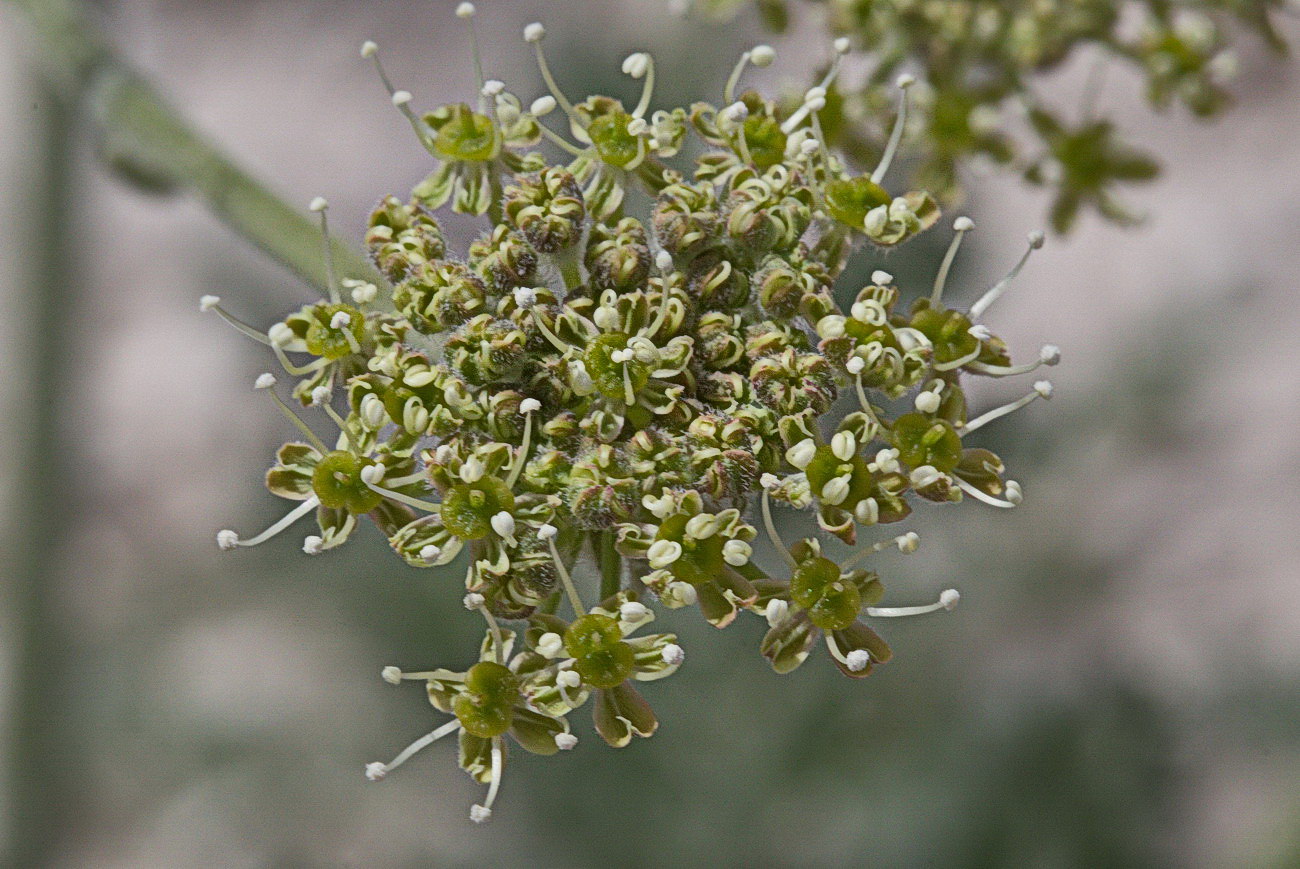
907	543
1044	388
565	741
736	113
401	98
525	297
364	293
1036	239
391	675
857	660
479	814
814	93
376	771
663	553
633	611
683	592
905	81
948	600
473	600
465	10
1050	354
547	532
881	278
762	55
776	612
550	644
503	524
207	303
568	679
924	476
320	395
618	357
542	106
340	320
832	326
927	402
867	511
430	552
369	48
842	45
636	64
373	413
664	261
372	474
855	364
534	32
313	544
673	655
530	405
963	224
637	126
769	481
808	147
472	470
1014	493
492	87
702	527
737	553
801	454
318	204
280	334
980	332
835	491
887	461
844	445
264	380
227	539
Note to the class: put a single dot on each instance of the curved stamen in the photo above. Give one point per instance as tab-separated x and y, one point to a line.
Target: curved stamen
267	382
297	370
947	601
905	83
534	33
465	12
376	771
480	813
977	310
960	360
759	55
401	99
528	406
856	661
372	474
770	526
213	303
476	601
641	65
559	140
906	544
1042	389
982	496
1050	354
548	334
962	225
227	539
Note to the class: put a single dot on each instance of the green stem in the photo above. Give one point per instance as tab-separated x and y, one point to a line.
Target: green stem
143	139
611	565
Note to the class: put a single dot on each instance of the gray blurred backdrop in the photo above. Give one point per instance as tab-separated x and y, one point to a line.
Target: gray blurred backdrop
1118	687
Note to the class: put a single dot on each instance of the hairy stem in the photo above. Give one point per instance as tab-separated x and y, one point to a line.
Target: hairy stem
611	565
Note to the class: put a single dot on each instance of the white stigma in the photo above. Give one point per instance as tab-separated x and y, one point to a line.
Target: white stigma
207	303
264	381
565	741
391	675
762	55
534	32
673	655
857	660
227	539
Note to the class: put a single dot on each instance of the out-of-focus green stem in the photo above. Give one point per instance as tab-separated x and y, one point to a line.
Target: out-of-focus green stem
611	565
148	144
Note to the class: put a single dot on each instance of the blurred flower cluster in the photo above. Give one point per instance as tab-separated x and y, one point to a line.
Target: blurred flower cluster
976	62
599	410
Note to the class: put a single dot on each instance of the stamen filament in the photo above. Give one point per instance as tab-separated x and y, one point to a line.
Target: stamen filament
549	335
895	135
960	360
298	370
862	554
399	98
1042	389
242	327
415	747
977	310
947	601
565	579
427	506
522	458
320	206
962	225
771	531
729	92
551	86
297	420
647	89
982	496
288	519
559	140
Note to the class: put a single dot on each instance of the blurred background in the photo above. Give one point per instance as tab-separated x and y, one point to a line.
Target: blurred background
1120	686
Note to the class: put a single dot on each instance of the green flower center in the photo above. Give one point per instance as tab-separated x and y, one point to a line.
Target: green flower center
487	705
701	560
848	200
336	480
948	331
465	135
602	659
923	440
832	602
615	145
607	374
328	335
468	508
